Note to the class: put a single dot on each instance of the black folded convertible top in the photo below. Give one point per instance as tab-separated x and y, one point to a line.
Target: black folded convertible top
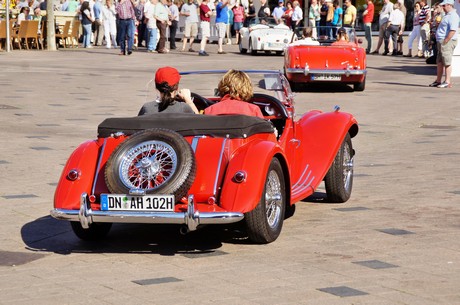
232	126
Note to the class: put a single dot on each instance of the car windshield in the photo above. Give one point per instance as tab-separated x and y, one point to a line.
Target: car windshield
269	21
326	35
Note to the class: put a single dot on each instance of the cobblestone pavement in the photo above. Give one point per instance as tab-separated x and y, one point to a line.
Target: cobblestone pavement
396	241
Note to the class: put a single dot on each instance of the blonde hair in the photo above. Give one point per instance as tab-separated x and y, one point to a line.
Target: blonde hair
237	84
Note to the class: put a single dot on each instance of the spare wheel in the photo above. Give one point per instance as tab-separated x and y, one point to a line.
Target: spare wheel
157	161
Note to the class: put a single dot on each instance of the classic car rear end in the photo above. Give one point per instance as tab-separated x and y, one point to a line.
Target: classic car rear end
327	62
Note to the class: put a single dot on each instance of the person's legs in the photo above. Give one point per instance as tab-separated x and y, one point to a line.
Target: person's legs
394	39
87	36
368	33
130	35
386	38
172	34
382	29
108	39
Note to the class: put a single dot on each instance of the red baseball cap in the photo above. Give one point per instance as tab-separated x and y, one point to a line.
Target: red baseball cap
169	75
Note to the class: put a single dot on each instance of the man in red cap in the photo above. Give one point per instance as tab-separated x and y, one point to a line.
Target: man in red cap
171	99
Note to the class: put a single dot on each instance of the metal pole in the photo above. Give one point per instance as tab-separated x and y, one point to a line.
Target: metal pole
7	12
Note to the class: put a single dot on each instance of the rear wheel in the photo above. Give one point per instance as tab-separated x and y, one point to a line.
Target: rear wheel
96	231
339	178
251	50
360	86
264	223
242	50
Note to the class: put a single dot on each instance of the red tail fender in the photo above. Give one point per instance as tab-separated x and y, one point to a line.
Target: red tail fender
84	160
322	135
253	159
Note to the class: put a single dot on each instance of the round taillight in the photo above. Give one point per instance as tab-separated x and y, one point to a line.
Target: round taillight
212	200
239	177
73	175
92	198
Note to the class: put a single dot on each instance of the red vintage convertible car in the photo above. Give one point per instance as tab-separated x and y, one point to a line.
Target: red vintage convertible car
193	169
328	61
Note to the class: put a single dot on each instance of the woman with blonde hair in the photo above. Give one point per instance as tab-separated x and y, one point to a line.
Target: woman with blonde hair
235	90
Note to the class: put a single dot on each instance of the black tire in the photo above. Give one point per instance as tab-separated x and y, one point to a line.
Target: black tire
96	231
294	86
251	50
339	178
264	223
360	86
242	50
168	164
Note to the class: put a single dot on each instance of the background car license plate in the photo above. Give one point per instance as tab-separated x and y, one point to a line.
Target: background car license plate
326	77
151	203
276	45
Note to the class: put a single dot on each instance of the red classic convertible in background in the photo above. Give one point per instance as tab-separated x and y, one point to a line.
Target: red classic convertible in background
328	61
193	170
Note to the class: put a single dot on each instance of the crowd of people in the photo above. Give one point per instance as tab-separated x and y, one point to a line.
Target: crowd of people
130	24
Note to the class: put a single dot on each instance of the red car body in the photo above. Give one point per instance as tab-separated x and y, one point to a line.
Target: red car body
234	175
326	62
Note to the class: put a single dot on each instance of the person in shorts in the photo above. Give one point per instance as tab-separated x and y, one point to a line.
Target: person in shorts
446	40
190	11
221	23
205	25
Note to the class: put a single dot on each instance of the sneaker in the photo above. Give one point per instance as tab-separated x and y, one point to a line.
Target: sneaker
445	85
152	51
130	52
203	53
434	84
385	53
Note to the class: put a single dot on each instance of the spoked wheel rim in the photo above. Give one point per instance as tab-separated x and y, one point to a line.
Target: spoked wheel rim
273	199
348	164
148	165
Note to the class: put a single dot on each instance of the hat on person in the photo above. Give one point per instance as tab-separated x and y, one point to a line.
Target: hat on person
169	75
281	1
451	2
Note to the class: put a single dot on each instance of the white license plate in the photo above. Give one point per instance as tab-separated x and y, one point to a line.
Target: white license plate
276	45
326	77
151	203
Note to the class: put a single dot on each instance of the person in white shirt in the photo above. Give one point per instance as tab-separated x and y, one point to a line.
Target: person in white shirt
383	23
307	39
152	30
297	16
110	24
190	11
278	12
174	18
394	29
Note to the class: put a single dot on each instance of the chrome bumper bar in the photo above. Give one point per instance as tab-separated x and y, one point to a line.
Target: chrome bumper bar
346	72
191	218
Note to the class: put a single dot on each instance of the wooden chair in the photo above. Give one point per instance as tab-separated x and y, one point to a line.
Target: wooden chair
65	33
75	33
20	34
32	34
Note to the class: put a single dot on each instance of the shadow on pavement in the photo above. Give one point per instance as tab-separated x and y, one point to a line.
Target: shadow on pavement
323	87
422	69
47	234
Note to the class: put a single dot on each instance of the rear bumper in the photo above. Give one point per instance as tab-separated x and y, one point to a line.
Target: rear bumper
191	218
306	71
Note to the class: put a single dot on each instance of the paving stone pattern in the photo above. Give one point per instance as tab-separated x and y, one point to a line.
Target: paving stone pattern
396	241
